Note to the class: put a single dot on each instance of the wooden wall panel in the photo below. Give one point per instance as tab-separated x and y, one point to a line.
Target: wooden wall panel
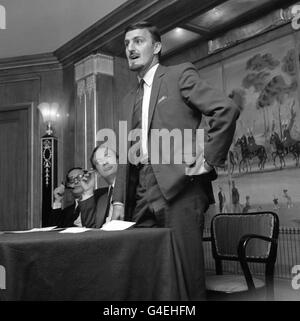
80	131
16	91
68	120
105	103
14	169
19	90
31	88
94	104
91	117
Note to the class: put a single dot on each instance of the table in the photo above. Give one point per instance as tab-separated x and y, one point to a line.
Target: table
135	264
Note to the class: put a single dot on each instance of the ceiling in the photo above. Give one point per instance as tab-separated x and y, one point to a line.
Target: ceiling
40	26
217	20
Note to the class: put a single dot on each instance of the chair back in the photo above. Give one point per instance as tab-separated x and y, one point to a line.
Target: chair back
228	228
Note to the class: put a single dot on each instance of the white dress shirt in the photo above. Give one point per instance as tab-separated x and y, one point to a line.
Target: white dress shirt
148	81
109	217
77	222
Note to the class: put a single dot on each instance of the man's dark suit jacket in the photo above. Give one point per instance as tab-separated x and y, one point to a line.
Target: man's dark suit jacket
179	98
92	211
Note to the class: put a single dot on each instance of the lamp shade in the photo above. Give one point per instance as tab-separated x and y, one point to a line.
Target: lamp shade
48	111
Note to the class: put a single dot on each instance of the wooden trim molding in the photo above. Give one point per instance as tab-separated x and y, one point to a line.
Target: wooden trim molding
30	63
241	33
244	45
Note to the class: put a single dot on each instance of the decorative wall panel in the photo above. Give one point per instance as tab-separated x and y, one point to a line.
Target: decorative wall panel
94	104
263	162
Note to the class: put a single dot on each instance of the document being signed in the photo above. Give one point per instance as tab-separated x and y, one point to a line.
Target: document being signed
116	225
75	230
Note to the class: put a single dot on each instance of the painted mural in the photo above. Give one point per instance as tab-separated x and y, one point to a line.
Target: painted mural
262	171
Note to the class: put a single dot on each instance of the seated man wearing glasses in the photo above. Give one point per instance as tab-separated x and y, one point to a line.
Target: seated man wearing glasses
82	212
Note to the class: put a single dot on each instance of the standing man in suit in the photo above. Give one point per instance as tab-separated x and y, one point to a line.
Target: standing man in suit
172	195
104	161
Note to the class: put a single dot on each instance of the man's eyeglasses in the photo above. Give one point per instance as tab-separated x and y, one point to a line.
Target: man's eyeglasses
71	181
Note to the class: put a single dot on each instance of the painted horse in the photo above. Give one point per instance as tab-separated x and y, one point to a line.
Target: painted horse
244	162
291	145
250	151
277	149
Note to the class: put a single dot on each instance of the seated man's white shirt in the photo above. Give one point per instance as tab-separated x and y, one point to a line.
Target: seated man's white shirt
109	217
56	205
77	222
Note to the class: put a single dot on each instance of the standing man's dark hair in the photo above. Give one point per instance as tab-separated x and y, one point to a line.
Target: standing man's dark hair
169	194
145	25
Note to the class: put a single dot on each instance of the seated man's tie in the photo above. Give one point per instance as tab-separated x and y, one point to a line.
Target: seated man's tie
108	205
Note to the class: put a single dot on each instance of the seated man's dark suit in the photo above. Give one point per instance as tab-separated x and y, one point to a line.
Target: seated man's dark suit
92	211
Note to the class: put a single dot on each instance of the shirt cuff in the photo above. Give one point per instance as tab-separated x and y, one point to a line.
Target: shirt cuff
204	168
200	167
56	205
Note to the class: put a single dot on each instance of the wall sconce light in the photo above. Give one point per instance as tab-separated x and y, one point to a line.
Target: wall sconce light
48	159
49	114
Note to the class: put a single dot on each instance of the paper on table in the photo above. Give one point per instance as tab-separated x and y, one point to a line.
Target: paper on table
75	230
49	228
116	225
41	229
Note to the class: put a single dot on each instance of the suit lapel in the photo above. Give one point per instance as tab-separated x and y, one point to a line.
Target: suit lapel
101	209
155	91
75	212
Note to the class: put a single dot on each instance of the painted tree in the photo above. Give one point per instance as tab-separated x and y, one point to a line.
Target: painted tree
275	92
260	67
238	96
289	67
289	63
272	90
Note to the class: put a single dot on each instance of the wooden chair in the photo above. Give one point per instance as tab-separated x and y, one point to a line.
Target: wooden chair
249	237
